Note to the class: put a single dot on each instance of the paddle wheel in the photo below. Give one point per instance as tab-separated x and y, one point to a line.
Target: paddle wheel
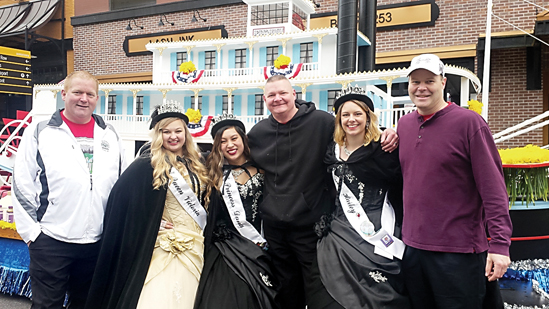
10	137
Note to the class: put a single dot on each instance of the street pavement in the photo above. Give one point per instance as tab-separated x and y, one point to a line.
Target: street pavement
14	302
513	293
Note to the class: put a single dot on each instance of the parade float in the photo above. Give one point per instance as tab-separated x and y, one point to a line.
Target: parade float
183	71
526	170
14	255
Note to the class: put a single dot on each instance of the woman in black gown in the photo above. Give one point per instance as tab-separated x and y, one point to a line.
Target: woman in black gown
359	251
237	271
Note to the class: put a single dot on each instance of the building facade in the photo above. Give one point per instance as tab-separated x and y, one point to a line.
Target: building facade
452	29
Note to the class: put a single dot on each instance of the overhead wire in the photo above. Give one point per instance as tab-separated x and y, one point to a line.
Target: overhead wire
521	30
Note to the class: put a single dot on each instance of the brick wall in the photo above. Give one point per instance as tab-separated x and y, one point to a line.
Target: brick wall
509	101
98	47
460	22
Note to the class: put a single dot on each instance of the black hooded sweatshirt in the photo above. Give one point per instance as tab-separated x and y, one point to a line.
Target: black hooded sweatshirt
297	186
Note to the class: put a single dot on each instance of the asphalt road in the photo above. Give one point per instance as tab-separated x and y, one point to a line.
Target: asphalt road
513	293
14	302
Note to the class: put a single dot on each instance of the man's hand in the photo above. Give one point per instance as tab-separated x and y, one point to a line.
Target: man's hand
389	140
496	266
165	225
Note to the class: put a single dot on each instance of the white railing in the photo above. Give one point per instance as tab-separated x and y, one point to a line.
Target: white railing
241	74
514	130
250	121
389	117
138	126
132	125
8	152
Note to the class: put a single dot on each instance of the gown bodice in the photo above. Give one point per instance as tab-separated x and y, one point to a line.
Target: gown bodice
251	193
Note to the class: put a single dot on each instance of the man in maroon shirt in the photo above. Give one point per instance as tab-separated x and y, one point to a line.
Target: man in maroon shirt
454	191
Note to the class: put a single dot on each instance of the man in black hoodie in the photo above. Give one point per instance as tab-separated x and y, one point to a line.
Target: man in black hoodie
290	146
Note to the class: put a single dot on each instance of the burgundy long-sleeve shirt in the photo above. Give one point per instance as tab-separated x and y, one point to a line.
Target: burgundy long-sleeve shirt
453	184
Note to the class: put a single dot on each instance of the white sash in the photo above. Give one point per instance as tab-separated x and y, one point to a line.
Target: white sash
232	199
186	197
383	240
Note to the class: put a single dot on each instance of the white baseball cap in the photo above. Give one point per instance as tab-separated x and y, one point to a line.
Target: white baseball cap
428	62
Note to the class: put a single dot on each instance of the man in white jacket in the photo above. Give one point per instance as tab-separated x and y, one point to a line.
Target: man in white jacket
64	172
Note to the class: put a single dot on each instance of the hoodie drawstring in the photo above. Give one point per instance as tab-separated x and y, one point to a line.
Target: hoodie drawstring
290	137
276	154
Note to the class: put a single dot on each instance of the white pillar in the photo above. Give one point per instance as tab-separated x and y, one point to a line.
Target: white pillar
487	50
464	92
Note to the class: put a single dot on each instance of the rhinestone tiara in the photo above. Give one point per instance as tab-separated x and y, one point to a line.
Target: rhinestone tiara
352	90
222	117
170	107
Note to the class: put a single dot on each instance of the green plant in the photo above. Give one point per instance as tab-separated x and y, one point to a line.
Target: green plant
529	183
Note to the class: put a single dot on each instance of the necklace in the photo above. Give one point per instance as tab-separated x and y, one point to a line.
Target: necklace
347	151
237	173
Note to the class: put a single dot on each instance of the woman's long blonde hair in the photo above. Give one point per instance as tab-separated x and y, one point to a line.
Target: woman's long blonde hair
371	133
162	160
215	160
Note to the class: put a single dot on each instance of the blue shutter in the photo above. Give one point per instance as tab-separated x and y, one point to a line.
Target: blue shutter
187	103
102	106
262	56
296	48
218	105
190	57
251	104
231	59
280	51
249	60
201	60
309	96
119	104
129	105
146	105
323	100
205	105
173	62
237	105
219	61
315	51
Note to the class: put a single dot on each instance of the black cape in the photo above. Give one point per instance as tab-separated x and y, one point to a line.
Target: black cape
130	227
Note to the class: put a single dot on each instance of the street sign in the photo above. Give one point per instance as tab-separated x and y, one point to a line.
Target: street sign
15	71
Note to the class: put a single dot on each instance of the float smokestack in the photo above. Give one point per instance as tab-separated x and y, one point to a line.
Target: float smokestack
346	36
367	25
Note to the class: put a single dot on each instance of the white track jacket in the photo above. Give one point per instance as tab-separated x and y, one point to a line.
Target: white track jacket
55	193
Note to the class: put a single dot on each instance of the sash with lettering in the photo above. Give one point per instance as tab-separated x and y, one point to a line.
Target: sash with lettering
186	197
232	199
385	243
